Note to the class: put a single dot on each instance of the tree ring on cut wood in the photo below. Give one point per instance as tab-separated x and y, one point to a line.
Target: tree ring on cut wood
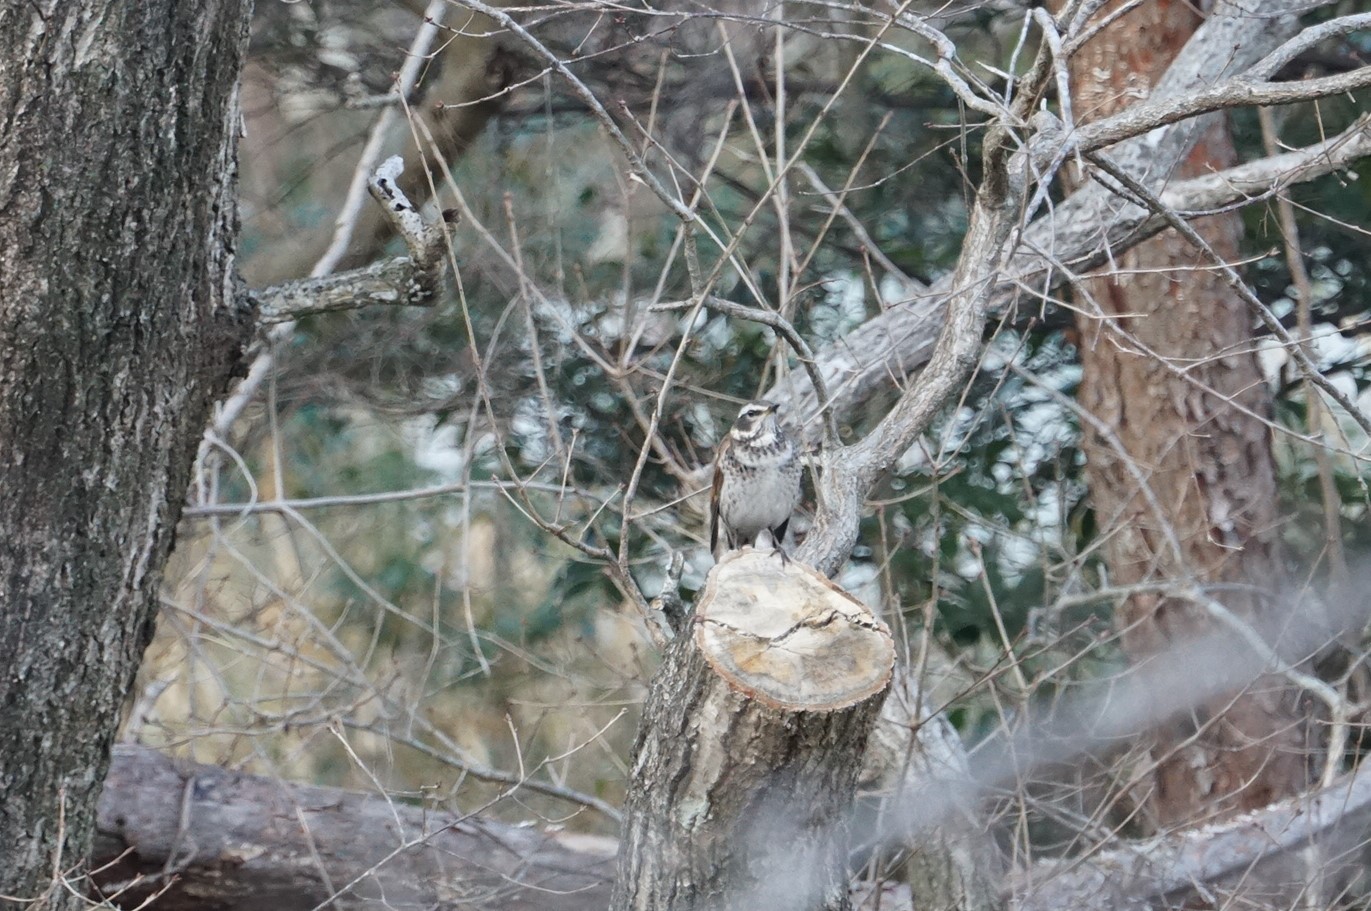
788	637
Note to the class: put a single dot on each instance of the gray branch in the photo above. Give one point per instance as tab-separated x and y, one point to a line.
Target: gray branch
216	839
403	281
899	341
1140	118
1234	42
1000	257
391	282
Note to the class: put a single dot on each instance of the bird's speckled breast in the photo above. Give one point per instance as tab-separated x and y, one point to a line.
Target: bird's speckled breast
761	487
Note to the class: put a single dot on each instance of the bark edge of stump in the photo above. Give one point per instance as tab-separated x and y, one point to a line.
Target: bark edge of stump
788	637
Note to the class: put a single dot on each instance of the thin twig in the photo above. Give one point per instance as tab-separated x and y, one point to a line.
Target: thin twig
587	97
787	331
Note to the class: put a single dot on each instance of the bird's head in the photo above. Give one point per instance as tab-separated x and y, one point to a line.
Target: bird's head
756	419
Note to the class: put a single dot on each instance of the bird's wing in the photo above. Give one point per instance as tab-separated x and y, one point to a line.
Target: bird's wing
715	490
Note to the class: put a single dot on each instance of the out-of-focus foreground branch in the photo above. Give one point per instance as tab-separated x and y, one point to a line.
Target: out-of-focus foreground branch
1163	871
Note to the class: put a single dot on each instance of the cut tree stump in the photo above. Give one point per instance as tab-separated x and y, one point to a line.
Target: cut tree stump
750	744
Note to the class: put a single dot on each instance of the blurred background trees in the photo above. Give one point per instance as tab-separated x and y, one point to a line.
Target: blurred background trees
395	572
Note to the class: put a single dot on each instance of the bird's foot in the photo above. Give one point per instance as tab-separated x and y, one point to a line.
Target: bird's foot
785	557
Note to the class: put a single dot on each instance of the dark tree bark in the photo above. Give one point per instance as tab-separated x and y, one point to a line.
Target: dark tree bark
118	329
1170	370
750	744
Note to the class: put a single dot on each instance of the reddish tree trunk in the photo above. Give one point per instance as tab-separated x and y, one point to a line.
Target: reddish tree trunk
1169	366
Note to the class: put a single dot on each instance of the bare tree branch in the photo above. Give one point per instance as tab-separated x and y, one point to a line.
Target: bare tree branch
785	329
640	169
1138	119
285	841
898	342
399	281
262	366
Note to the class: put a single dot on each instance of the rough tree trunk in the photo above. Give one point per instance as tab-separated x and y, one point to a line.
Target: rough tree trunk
118	328
1171	371
750	745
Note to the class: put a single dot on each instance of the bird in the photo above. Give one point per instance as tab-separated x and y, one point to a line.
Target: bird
756	482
